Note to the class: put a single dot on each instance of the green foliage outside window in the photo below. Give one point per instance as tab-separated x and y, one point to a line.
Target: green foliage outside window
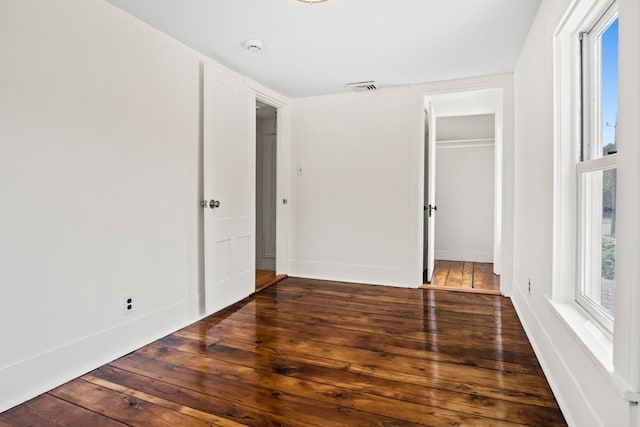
608	257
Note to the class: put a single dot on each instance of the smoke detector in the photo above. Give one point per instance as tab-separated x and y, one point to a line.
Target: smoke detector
361	86
253	45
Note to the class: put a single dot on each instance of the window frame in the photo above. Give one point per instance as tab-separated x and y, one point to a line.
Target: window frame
590	156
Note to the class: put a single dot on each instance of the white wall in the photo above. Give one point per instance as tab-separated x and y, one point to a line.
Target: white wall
357	210
587	393
462	127
465	188
100	179
349	209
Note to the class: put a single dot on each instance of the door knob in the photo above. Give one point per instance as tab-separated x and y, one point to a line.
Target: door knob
432	208
214	204
203	204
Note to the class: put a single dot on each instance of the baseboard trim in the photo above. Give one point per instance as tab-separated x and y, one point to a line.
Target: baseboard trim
366	274
540	341
464	256
33	376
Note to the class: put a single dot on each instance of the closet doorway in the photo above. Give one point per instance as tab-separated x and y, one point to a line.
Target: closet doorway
463	144
266	194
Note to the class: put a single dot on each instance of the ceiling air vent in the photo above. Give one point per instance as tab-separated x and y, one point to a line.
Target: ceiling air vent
359	86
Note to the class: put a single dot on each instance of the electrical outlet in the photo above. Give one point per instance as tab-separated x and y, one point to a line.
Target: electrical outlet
128	305
529	287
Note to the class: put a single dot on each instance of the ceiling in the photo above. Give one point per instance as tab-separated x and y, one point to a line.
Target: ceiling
315	49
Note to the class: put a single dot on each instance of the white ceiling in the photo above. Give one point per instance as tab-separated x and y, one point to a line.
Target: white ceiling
317	49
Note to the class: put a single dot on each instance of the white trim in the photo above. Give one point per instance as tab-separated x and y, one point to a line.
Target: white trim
622	370
627	332
281	103
504	178
466	143
464	256
601	163
596	342
356	273
98	349
591	57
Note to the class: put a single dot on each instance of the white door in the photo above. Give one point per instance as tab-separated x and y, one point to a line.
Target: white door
229	245
430	202
268	226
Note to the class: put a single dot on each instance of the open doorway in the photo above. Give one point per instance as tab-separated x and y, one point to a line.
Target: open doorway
463	190
266	194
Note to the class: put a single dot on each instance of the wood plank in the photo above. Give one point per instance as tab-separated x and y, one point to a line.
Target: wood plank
267	280
356	303
123	407
312	352
371	385
440	272
467	275
390	345
302	287
474	276
160	401
263	277
467	290
454	278
183	393
349	357
278	375
384	325
229	381
449	376
46	410
484	277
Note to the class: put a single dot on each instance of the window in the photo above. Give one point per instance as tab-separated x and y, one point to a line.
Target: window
596	169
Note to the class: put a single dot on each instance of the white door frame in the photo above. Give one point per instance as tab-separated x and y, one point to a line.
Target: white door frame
504	165
430	203
269	97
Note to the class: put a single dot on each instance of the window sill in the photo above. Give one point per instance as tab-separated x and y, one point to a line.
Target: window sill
597	343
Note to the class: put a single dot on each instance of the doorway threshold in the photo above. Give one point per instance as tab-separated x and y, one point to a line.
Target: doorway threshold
271	281
468	290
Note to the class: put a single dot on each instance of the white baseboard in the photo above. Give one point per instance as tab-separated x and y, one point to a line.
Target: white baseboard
366	274
31	377
464	256
525	314
566	370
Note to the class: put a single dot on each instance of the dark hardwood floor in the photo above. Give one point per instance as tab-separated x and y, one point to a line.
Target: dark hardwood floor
307	352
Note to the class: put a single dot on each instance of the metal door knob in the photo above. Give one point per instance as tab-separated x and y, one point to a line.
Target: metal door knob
214	204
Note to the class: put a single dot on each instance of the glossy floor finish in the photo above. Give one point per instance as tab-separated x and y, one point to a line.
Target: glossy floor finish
308	352
263	277
266	278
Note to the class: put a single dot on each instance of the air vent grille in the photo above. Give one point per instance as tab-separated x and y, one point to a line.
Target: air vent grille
360	86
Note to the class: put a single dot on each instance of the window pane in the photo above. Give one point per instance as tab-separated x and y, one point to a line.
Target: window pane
599	193
609	85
